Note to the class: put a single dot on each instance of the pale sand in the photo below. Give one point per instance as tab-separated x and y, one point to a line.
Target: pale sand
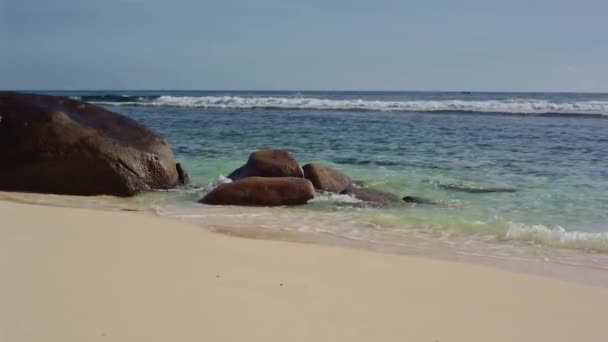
85	275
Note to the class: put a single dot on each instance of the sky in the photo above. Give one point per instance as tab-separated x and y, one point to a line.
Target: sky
476	45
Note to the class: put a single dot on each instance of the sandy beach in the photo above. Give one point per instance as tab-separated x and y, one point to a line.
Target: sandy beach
87	275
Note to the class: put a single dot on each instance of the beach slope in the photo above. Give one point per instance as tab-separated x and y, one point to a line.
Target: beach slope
86	275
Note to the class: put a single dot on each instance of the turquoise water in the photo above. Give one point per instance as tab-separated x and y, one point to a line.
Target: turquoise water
549	150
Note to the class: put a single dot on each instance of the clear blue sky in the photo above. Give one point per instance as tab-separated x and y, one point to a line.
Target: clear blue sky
512	45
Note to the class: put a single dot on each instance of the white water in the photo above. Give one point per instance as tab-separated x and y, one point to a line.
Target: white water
558	237
515	106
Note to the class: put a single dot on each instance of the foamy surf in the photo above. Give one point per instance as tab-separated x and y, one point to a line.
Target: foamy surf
510	106
558	237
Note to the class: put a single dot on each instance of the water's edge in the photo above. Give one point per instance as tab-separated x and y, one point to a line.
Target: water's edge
576	266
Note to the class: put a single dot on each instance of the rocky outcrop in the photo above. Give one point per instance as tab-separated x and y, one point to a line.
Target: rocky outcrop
270	176
324	178
262	191
60	145
269	163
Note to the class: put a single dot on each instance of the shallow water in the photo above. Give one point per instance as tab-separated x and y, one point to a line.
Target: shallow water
547	153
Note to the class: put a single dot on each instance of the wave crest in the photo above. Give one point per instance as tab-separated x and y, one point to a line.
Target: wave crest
513	106
558	237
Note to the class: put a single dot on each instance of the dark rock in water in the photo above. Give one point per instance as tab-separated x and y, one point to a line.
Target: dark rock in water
59	145
324	178
376	197
418	200
475	189
269	163
184	177
262	191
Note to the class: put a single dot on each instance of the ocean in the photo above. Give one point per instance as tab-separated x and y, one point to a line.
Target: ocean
510	171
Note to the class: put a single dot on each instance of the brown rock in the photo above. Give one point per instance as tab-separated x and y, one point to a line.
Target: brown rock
59	145
262	191
325	178
269	163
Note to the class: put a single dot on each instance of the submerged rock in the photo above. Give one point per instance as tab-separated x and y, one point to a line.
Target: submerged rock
376	197
324	178
269	163
60	145
474	189
418	200
262	191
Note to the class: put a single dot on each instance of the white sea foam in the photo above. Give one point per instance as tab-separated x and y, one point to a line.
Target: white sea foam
335	198
558	237
516	106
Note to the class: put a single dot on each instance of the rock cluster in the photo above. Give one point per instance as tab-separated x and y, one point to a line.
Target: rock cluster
274	177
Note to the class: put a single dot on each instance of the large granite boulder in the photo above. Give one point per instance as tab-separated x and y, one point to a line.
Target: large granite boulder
262	191
60	145
324	178
269	163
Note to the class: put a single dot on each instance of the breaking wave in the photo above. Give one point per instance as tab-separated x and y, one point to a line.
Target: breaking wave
115	99
512	106
558	237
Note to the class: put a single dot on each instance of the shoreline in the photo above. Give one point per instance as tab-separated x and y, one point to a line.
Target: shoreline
572	265
80	274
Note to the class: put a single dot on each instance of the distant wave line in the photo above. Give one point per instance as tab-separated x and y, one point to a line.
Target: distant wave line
511	106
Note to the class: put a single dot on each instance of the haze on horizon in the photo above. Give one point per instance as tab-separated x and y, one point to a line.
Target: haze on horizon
534	45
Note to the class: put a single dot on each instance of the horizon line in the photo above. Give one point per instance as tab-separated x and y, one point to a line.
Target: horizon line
313	90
